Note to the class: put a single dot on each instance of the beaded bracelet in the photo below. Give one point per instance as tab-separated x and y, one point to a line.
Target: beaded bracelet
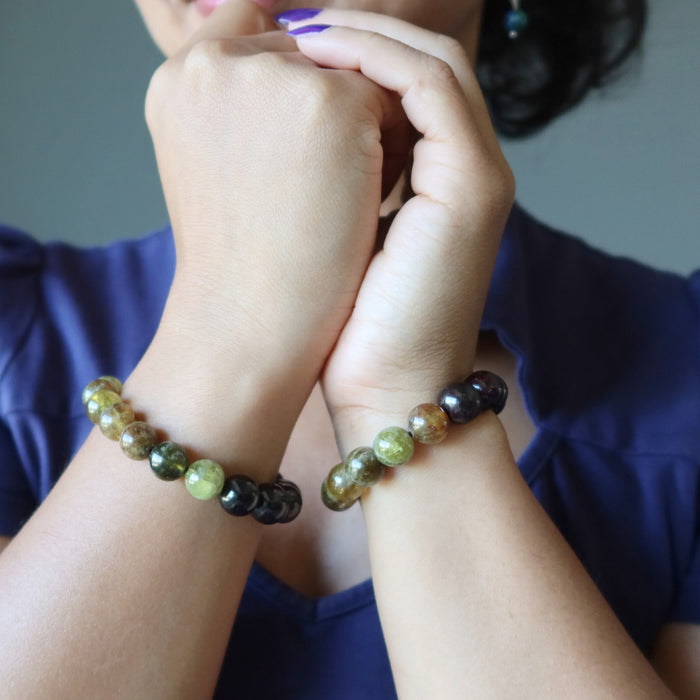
268	503
427	424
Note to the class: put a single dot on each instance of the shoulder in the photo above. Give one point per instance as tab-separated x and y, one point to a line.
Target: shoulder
614	344
80	308
68	315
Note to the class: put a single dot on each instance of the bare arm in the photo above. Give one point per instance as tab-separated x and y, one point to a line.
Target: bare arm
125	585
500	605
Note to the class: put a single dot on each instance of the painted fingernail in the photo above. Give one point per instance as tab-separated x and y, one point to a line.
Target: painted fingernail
309	29
299	14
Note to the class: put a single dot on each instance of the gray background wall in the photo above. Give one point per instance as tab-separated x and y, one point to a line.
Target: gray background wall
622	171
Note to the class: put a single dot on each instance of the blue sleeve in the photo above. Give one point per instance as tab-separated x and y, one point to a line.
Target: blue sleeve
21	260
17	501
686	607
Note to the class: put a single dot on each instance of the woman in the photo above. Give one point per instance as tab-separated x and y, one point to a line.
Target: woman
285	341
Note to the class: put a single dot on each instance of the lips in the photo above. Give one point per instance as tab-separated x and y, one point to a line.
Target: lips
206	7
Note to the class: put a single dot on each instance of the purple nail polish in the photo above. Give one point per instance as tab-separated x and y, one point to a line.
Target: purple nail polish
309	29
298	14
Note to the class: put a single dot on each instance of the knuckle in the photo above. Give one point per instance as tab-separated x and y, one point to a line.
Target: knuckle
438	70
500	187
452	50
202	57
157	87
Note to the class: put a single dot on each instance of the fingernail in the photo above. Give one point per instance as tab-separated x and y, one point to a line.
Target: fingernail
299	14
309	29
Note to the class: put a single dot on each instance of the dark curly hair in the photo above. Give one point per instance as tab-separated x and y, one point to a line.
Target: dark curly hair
568	47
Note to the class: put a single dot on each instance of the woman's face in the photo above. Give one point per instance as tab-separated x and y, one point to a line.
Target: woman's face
171	22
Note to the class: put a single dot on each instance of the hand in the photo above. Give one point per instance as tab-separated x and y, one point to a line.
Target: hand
272	174
416	320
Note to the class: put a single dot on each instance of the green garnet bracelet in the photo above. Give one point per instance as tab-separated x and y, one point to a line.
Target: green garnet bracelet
427	424
268	503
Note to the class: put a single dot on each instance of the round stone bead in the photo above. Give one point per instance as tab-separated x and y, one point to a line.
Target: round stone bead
461	401
168	461
338	491
292	496
239	495
113	381
393	446
98	401
138	439
115	418
98	384
428	423
272	504
363	467
493	390
516	22
204	479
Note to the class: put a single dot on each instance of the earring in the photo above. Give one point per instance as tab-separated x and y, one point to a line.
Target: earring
516	20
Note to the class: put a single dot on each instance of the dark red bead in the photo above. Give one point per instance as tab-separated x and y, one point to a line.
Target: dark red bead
239	495
272	504
293	499
461	401
493	390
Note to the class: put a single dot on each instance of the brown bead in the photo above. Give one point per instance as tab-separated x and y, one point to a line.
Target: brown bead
338	491
428	423
138	439
115	418
363	467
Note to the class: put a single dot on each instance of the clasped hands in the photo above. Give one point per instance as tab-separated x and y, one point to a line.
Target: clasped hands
275	154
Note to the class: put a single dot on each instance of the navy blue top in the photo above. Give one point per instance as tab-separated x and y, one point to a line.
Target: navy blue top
608	364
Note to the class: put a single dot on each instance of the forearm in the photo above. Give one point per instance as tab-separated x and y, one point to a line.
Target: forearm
122	585
478	593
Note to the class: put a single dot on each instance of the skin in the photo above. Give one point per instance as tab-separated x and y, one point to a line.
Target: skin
472	630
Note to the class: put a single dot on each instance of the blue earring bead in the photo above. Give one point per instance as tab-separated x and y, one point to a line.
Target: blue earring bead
459	402
278	502
516	22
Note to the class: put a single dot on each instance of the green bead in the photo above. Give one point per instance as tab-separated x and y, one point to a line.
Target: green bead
363	468
204	479
98	401
338	492
115	418
428	423
138	439
101	383
393	446
113	381
168	461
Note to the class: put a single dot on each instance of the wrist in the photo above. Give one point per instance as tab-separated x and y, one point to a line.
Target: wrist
227	408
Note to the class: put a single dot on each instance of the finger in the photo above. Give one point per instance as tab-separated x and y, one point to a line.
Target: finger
452	143
443	47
